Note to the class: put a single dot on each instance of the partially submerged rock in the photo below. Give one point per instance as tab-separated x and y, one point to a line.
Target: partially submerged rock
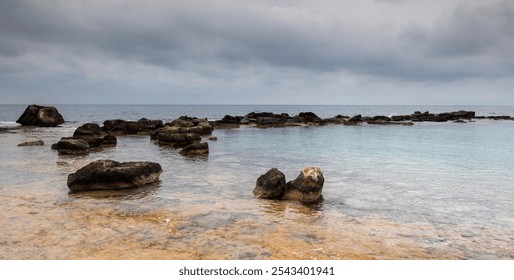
40	116
71	146
195	149
113	175
32	143
176	140
306	187
270	185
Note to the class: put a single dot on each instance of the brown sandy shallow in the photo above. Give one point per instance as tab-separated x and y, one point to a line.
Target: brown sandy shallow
67	230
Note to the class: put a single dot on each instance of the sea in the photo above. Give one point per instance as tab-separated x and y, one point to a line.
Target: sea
427	191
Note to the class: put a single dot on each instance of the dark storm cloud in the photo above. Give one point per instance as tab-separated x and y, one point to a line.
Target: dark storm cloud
468	42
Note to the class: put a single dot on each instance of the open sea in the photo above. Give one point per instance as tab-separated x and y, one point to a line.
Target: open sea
428	191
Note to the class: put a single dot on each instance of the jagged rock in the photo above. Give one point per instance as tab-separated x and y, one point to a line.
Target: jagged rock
32	143
195	149
113	175
270	185
71	146
40	116
306	187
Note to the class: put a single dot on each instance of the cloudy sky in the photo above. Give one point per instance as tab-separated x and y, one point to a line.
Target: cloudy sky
455	52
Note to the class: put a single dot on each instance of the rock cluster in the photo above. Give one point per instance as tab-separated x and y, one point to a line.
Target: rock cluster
113	175
40	116
184	132
85	137
306	187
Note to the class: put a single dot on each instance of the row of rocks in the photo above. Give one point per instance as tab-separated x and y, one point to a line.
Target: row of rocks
306	187
268	119
38	115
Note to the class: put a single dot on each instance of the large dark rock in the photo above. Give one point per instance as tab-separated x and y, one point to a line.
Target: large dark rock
113	175
40	116
94	135
306	187
195	149
270	185
71	146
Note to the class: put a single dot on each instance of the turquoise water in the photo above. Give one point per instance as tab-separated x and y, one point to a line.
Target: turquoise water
443	190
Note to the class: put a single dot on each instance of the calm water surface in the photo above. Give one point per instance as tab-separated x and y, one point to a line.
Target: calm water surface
432	190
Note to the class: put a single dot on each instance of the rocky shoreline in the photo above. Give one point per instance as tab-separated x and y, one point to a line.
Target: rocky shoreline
187	133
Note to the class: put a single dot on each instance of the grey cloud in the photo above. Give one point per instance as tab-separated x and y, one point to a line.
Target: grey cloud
189	34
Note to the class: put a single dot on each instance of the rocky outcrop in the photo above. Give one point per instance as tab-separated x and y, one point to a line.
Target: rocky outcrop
182	132
113	175
121	127
306	187
195	149
94	135
32	143
177	140
71	146
40	116
270	185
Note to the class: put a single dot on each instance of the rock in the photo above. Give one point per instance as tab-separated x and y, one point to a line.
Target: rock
213	138
463	114
32	143
109	140
195	149
306	187
268	121
309	117
71	146
40	116
113	175
270	185
496	118
459	121
166	136
146	124
94	135
115	126
354	119
186	124
230	119
89	129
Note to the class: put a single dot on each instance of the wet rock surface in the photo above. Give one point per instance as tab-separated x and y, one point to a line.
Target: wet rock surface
113	175
270	185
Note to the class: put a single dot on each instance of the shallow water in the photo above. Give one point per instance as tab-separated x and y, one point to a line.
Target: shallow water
433	190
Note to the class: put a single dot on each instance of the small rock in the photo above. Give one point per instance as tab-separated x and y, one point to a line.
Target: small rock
306	187
213	138
270	185
195	149
32	143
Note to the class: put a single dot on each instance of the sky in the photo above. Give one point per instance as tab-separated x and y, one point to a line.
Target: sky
367	52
